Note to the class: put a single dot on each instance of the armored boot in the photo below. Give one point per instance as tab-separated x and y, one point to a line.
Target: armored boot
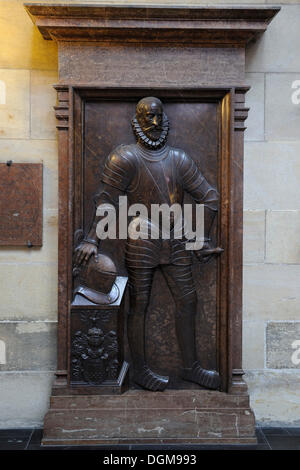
206	378
142	374
192	371
149	380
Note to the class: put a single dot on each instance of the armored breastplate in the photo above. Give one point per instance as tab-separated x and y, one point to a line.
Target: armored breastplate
155	181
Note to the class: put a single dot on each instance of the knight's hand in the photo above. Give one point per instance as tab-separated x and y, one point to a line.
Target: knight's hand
84	251
207	252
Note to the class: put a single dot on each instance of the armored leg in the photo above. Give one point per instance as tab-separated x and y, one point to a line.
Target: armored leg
180	281
140	281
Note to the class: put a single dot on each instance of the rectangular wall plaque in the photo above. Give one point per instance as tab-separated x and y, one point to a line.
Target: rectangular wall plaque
21	204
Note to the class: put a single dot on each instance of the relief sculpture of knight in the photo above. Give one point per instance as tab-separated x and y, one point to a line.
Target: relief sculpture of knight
151	172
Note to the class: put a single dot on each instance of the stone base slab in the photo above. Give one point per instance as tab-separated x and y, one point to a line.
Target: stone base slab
141	417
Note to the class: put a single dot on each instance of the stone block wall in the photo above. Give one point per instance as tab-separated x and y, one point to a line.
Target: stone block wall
28	277
271	333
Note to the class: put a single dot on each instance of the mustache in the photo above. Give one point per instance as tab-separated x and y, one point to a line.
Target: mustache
152	128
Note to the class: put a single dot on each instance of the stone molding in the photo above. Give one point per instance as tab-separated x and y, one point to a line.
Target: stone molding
206	26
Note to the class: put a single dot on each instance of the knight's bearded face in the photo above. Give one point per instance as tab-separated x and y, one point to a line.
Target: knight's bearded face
150	118
150	124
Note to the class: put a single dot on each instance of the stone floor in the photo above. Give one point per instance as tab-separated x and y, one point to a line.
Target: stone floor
268	439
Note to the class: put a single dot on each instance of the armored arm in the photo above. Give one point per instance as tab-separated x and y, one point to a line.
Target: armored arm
203	193
117	174
108	197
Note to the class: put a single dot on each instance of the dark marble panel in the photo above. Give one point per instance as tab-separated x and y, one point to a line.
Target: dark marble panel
14	439
194	128
292	431
275	431
283	442
276	438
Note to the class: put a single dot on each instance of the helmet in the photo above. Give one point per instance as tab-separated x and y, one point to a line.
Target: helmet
96	280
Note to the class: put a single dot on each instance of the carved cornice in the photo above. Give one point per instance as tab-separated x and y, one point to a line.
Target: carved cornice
207	26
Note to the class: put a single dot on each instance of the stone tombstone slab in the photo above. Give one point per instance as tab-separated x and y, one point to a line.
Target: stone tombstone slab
21	206
193	125
192	61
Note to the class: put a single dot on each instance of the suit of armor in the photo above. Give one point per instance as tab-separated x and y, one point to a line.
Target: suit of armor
150	173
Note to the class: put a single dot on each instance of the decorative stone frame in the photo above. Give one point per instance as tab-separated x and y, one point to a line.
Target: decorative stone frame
109	52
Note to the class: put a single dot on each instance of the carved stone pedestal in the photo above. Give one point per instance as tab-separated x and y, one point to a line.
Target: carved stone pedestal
140	417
